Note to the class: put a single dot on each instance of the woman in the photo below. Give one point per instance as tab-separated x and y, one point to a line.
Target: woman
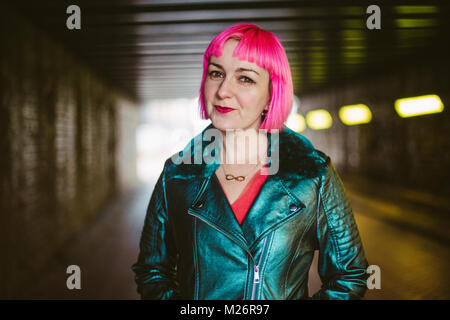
217	229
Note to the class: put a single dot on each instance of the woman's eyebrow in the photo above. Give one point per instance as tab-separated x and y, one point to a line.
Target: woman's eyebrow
245	69
237	70
215	64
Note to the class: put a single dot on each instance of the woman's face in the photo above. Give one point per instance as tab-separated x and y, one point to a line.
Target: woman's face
236	91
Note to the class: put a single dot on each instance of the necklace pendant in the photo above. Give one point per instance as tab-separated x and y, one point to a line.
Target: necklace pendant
231	177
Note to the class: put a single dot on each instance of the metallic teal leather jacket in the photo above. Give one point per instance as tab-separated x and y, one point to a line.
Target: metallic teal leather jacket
192	246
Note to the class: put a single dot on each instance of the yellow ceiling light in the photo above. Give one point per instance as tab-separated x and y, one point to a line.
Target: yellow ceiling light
416	9
355	114
296	122
417	106
319	119
416	23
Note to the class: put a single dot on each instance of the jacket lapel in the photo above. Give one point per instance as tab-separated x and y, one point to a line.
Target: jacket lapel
273	206
278	200
213	208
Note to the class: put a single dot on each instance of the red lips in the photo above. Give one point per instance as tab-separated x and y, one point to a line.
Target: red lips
223	109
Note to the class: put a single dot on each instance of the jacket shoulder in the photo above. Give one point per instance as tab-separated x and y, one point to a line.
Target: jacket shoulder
188	162
297	154
325	158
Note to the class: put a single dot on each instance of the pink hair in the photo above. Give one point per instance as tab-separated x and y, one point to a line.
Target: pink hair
270	55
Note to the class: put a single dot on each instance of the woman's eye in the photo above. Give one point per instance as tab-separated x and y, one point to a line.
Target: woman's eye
247	79
215	74
218	74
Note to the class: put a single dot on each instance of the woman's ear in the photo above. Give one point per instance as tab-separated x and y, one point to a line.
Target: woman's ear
270	91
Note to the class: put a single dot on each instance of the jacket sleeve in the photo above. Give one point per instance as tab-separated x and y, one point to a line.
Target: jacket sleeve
342	262
156	266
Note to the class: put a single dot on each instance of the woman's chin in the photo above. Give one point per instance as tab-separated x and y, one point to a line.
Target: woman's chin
225	122
221	123
223	126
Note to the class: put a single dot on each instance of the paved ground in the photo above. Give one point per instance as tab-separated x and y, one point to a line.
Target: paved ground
104	251
414	261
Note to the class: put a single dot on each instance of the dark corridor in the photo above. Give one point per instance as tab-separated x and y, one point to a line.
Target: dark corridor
89	115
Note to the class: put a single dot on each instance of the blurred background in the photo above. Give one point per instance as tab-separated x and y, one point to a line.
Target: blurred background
89	115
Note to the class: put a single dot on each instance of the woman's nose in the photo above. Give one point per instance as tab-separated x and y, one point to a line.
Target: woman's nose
225	89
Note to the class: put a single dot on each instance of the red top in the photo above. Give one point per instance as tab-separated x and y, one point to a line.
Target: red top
245	200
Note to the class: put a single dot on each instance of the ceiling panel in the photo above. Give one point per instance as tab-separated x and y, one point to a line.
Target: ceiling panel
153	49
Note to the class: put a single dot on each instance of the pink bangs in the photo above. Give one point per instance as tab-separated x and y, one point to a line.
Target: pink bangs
263	48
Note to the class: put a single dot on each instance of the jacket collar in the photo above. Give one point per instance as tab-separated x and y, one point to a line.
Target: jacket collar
298	160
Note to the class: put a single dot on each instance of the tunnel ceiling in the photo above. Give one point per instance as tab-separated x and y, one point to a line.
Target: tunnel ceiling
153	49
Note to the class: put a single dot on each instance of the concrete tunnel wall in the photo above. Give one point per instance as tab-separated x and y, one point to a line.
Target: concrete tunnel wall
67	147
408	152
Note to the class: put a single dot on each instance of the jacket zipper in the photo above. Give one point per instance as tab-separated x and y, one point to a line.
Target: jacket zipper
256	273
256	266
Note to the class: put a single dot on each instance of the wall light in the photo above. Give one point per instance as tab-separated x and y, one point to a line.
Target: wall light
319	119
417	106
296	122
355	114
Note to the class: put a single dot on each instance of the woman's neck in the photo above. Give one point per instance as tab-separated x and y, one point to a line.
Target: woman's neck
244	147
